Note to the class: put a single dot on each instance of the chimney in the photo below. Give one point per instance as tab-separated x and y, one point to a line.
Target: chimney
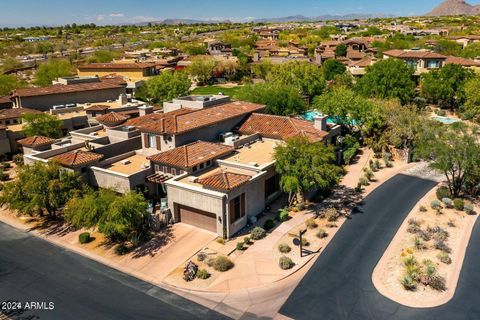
320	122
144	110
122	99
256	57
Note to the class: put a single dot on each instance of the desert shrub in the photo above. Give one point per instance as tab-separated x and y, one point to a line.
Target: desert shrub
363	181
358	188
201	256
4	176
269	224
458	204
448	202
418	243
121	249
331	225
368	174
443	192
203	274
311	223
387	157
413	226
442	246
424	235
282	215
408	283
84	237
377	164
374	165
322	233
437	283
220	240
257	233
451	223
438	233
18	159
284	248
285	263
468	208
444	257
331	215
423	209
410	261
240	246
305	242
210	262
222	263
247	240
6	165
436	204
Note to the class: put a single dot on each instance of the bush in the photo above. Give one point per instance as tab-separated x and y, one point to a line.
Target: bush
373	166
468	208
285	263
269	224
18	159
363	181
443	192
322	233
408	283
84	237
331	225
220	240
305	242
387	157
240	246
413	226
284	248
458	204
201	256
448	202
222	263
438	233
442	246
436	205
311	223
444	257
437	283
6	165
424	235
247	240
368	174
121	249
203	274
257	233
423	209
4	176
331	215
440	113
282	215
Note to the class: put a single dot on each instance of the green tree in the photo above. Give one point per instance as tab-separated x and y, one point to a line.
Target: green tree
165	87
331	68
49	71
42	124
127	216
8	83
472	98
307	77
41	189
386	79
262	69
103	56
202	69
280	99
341	50
305	166
446	86
454	150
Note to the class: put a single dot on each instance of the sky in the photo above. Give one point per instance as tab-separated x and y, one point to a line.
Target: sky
59	12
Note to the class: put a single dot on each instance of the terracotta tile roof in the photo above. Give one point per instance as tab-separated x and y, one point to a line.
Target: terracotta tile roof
134	65
65	89
414	54
278	127
112	119
114	78
5	99
462	61
97	107
152	118
365	62
192	154
16	113
354	54
77	158
224	181
36	141
201	118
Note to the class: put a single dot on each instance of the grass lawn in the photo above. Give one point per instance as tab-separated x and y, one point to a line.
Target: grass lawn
209	90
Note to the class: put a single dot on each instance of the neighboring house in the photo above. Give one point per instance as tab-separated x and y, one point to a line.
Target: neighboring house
60	95
14	116
464	62
4	141
358	68
215	47
466	40
5	102
131	70
421	60
35	144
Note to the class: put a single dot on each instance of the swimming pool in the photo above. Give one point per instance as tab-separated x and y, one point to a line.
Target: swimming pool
445	120
310	116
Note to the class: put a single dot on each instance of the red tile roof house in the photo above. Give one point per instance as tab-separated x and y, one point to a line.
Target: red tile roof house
46	98
421	60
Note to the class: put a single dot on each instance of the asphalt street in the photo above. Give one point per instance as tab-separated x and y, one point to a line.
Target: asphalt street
33	270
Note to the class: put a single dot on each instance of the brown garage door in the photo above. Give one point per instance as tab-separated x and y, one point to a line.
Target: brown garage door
198	218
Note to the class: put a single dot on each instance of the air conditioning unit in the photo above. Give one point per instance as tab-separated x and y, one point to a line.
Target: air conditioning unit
125	162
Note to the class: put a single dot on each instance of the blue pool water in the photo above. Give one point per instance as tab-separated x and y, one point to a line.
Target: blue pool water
445	120
310	116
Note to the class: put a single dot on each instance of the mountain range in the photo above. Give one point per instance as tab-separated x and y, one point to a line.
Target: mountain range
455	8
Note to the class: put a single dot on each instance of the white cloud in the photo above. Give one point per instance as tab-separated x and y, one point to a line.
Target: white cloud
116	15
100	17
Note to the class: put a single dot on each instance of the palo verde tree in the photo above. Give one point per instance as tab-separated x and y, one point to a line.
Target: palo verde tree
42	124
165	87
41	189
202	69
51	70
455	151
305	166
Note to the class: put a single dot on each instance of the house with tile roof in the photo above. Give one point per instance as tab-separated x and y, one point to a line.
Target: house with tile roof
421	60
129	70
35	144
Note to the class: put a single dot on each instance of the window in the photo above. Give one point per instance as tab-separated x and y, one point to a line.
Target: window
7	122
94	114
202	165
152	141
272	185
433	64
194	168
209	162
237	208
174	171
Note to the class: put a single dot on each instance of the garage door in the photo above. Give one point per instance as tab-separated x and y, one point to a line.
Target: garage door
198	218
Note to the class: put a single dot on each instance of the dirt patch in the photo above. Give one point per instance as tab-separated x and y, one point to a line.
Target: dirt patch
418	237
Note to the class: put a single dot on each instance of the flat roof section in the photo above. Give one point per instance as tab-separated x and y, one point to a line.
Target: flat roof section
130	165
259	153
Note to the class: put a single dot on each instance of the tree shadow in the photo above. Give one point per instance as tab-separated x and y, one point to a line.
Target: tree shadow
344	199
151	247
51	227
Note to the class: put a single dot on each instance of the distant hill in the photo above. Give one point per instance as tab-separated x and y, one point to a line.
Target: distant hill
300	18
455	8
